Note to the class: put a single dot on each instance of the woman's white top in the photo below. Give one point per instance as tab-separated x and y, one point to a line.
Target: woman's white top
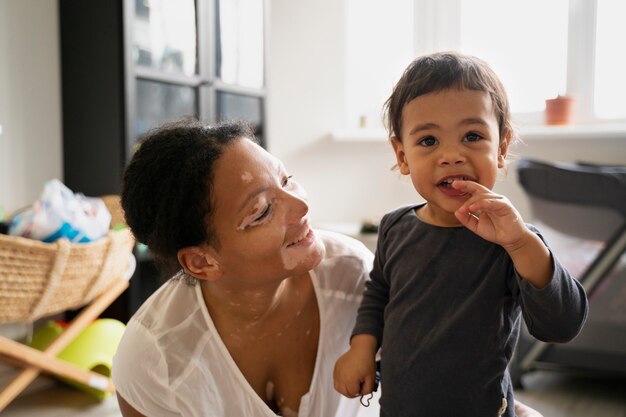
172	362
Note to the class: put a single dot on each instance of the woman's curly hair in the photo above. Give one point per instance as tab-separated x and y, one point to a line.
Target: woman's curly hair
167	186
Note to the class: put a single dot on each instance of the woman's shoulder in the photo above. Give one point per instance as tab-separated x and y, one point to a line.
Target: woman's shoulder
346	264
174	302
165	331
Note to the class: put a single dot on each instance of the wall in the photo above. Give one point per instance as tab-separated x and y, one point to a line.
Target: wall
30	109
349	182
346	182
30	115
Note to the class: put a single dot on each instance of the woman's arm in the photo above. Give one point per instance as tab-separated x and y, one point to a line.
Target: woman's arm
126	409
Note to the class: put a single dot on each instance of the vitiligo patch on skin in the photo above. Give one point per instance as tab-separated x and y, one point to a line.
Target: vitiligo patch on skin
291	262
288	412
269	391
247	177
259	206
293	256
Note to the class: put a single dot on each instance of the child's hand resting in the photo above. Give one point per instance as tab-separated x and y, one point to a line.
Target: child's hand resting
355	371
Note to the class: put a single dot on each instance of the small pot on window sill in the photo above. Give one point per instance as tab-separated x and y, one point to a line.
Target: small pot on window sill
560	110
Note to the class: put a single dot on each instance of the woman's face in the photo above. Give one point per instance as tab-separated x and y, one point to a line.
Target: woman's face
260	218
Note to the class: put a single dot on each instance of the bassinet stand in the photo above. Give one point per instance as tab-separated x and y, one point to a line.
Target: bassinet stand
103	269
36	361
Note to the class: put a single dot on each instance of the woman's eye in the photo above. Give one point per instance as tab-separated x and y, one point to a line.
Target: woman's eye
256	218
473	137
263	215
287	180
428	141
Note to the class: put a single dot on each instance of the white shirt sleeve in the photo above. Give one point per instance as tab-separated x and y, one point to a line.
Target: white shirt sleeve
140	373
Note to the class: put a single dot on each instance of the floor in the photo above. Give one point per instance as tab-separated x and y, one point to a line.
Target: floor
553	394
61	401
558	395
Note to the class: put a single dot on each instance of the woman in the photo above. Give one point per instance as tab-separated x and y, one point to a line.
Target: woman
263	306
254	322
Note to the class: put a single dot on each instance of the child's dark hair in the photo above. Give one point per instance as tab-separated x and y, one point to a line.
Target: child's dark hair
441	71
167	186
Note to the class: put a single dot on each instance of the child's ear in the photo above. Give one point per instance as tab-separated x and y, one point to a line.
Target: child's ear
398	149
503	149
200	262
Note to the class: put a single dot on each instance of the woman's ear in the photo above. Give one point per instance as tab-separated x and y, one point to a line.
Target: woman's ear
503	149
200	263
398	149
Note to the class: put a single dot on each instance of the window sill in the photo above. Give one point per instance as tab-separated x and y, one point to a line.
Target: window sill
572	132
528	133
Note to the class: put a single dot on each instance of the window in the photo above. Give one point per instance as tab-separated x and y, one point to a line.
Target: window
539	49
527	51
196	58
376	55
239	46
610	62
165	36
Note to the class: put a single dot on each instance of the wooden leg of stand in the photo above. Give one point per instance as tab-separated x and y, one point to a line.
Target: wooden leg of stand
88	315
54	366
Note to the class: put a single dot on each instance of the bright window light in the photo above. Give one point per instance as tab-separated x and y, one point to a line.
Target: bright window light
539	49
525	42
379	46
610	82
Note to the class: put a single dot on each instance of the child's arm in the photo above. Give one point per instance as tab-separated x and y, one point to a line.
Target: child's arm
355	370
493	217
554	305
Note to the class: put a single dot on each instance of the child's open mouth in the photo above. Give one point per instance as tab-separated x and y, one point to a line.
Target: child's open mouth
447	182
445	185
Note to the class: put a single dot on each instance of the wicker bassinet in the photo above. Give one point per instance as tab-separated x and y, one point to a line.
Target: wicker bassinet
40	279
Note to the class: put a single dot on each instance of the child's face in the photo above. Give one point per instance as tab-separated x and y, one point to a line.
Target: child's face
446	135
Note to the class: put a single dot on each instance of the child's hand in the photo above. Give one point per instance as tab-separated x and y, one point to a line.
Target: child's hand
355	372
493	217
490	215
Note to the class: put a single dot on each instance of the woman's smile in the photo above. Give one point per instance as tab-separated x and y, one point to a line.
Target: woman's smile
304	239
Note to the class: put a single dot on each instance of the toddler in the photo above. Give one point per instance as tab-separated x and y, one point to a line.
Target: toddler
453	276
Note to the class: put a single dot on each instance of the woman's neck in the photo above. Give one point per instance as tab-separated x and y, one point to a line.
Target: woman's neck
250	306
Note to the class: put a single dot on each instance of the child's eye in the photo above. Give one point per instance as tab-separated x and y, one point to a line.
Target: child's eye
472	137
428	141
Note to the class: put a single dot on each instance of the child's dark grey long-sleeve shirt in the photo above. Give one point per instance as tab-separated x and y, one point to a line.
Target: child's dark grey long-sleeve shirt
450	304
